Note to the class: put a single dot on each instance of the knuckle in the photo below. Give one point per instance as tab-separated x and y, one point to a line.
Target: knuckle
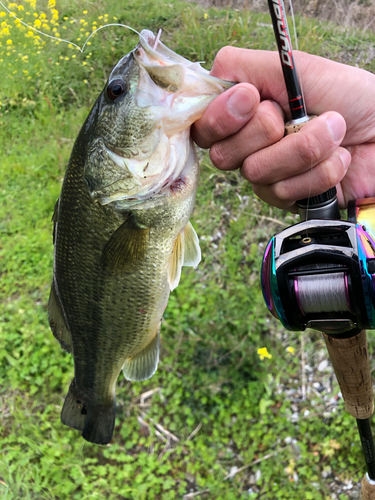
225	54
215	126
219	156
309	149
253	170
270	122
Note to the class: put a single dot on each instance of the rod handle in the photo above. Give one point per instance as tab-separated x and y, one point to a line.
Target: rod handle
367	488
294	126
350	360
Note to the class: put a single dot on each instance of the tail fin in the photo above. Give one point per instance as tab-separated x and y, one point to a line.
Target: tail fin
96	422
99	424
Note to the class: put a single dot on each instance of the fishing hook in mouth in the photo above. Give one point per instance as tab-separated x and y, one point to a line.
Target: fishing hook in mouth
157	39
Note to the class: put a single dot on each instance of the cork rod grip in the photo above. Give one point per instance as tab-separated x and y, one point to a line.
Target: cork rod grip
351	363
292	127
367	489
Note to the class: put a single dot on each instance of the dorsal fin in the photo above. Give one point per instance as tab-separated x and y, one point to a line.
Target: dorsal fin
126	247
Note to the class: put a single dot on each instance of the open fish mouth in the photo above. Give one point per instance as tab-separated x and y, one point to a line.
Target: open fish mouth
152	54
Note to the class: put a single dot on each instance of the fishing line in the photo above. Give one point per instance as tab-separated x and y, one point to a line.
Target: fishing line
81	49
303	97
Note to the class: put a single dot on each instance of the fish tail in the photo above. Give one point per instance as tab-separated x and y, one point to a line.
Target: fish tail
96	422
99	424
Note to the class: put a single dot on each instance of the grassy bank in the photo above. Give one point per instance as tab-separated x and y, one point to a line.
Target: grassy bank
215	418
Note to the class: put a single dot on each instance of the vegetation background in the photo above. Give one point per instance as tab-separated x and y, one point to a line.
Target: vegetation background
218	420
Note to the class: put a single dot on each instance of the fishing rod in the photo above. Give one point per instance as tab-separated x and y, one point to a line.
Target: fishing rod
320	273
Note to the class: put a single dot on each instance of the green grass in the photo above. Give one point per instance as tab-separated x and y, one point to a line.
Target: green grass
225	406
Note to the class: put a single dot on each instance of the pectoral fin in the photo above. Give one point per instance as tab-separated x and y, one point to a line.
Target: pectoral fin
126	247
192	255
57	322
145	363
186	252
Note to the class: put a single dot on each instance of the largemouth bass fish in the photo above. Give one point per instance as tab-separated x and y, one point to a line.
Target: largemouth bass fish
121	226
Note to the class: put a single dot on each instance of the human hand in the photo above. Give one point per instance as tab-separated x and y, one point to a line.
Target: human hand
244	127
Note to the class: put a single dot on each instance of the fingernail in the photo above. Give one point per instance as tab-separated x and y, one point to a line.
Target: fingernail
337	127
345	157
241	103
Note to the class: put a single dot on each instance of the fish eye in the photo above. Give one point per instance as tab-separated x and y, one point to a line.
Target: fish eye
115	89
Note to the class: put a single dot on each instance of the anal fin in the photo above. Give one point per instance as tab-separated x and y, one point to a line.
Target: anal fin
144	364
57	322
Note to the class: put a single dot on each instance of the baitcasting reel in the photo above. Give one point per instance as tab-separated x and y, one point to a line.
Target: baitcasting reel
320	274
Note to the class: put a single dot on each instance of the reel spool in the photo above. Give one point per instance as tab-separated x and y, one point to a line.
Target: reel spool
320	274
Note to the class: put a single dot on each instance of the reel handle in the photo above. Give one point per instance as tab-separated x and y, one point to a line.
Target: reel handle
350	360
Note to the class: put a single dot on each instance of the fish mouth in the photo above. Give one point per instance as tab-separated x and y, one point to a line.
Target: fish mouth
152	53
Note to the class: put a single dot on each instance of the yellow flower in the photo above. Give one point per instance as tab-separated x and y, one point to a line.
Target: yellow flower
291	350
37	23
51	4
5	31
115	18
263	353
84	12
9	42
205	15
46	27
42	15
100	17
84	63
2	14
84	81
20	7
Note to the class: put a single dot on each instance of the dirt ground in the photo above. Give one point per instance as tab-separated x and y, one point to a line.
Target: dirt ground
355	13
